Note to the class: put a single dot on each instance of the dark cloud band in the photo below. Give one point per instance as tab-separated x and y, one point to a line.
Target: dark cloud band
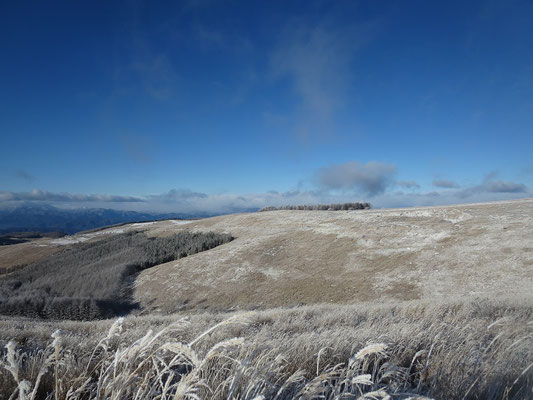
43	195
372	178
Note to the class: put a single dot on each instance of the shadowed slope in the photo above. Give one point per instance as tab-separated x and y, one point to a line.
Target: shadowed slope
93	280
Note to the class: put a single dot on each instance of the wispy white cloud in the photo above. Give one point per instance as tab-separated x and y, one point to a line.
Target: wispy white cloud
157	76
24	175
315	59
408	184
144	67
139	148
444	183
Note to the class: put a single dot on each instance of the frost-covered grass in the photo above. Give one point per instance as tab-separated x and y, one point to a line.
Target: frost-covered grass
468	350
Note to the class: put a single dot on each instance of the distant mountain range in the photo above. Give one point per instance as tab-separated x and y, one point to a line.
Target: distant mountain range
46	218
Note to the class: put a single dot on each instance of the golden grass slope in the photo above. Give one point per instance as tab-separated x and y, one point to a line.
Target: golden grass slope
25	253
288	258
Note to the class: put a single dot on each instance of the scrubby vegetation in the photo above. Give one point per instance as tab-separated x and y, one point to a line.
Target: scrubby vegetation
470	350
322	207
93	280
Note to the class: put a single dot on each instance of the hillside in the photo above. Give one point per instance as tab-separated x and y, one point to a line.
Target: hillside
284	258
433	301
287	258
93	280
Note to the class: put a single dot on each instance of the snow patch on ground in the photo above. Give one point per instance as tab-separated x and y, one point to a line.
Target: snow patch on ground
108	232
137	224
70	240
180	222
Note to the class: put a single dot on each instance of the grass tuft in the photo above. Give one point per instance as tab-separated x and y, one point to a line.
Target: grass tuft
416	351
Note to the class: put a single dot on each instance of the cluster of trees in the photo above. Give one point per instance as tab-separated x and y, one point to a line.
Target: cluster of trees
93	280
322	207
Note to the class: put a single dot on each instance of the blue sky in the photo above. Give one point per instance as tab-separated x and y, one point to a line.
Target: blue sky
220	106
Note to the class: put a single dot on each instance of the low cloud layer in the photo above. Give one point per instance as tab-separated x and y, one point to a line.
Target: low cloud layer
371	178
189	202
491	185
45	196
177	195
175	201
349	182
505	187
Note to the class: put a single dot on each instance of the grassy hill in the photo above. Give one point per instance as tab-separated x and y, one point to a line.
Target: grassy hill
400	304
289	258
